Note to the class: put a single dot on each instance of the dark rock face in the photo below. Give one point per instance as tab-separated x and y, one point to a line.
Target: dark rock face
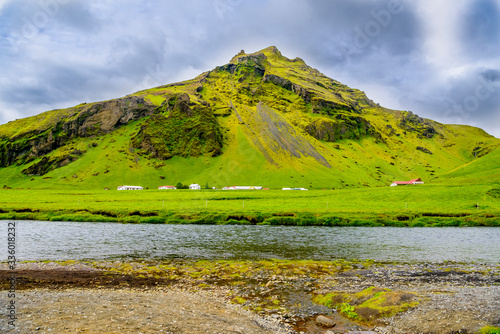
253	59
343	127
423	149
288	85
321	106
86	121
47	164
414	123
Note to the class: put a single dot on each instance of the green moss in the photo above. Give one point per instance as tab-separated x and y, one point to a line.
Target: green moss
489	330
370	304
180	130
348	311
156	99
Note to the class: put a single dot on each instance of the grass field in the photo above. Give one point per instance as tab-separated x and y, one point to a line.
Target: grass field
425	205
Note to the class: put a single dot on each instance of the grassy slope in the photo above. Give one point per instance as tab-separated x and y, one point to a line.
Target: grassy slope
482	170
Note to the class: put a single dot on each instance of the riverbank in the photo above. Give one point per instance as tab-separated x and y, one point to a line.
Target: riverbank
416	206
267	296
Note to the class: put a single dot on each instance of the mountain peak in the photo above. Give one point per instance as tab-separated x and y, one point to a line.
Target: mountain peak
270	52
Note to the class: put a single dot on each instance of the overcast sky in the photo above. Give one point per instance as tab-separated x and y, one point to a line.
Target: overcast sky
437	58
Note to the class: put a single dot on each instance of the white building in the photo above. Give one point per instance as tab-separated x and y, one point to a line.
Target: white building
242	188
130	188
294	189
195	186
167	188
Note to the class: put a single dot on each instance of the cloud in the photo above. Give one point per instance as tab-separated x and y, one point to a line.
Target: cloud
423	56
481	30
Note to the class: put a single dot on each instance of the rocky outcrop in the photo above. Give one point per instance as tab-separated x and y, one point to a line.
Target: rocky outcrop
288	85
47	164
326	107
423	149
180	128
85	121
341	127
414	123
233	68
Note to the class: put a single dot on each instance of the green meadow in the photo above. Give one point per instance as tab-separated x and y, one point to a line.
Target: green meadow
423	205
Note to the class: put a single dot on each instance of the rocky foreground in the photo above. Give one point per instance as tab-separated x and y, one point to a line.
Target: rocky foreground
269	296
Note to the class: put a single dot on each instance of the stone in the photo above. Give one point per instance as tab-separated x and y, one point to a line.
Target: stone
321	320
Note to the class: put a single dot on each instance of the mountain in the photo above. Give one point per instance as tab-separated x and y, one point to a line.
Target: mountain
262	119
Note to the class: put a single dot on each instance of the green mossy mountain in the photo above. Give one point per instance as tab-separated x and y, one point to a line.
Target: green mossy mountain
261	119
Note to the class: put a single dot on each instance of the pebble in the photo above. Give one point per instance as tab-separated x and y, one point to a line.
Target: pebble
321	320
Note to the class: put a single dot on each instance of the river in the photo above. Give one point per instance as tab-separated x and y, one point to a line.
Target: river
39	240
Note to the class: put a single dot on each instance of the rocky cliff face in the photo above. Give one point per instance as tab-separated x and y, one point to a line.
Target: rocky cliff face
84	121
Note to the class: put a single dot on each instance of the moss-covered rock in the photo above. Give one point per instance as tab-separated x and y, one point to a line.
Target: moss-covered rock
180	129
47	164
370	304
340	127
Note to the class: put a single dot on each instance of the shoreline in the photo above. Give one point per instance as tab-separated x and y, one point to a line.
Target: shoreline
451	297
390	219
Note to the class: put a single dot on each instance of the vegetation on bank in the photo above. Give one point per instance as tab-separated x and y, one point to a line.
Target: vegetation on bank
473	205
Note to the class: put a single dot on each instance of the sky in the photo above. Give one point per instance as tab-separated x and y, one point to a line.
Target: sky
439	59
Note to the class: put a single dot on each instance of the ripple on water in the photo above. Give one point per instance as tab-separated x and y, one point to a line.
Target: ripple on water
37	240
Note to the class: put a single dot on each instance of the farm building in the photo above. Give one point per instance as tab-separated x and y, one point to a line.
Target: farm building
130	188
403	183
294	189
167	188
195	186
242	188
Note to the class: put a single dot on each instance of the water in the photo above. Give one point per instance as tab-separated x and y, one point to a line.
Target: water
38	240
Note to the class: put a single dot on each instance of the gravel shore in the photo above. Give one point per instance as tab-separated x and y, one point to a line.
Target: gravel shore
129	311
80	298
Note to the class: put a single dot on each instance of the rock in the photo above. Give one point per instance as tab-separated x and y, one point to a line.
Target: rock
321	320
